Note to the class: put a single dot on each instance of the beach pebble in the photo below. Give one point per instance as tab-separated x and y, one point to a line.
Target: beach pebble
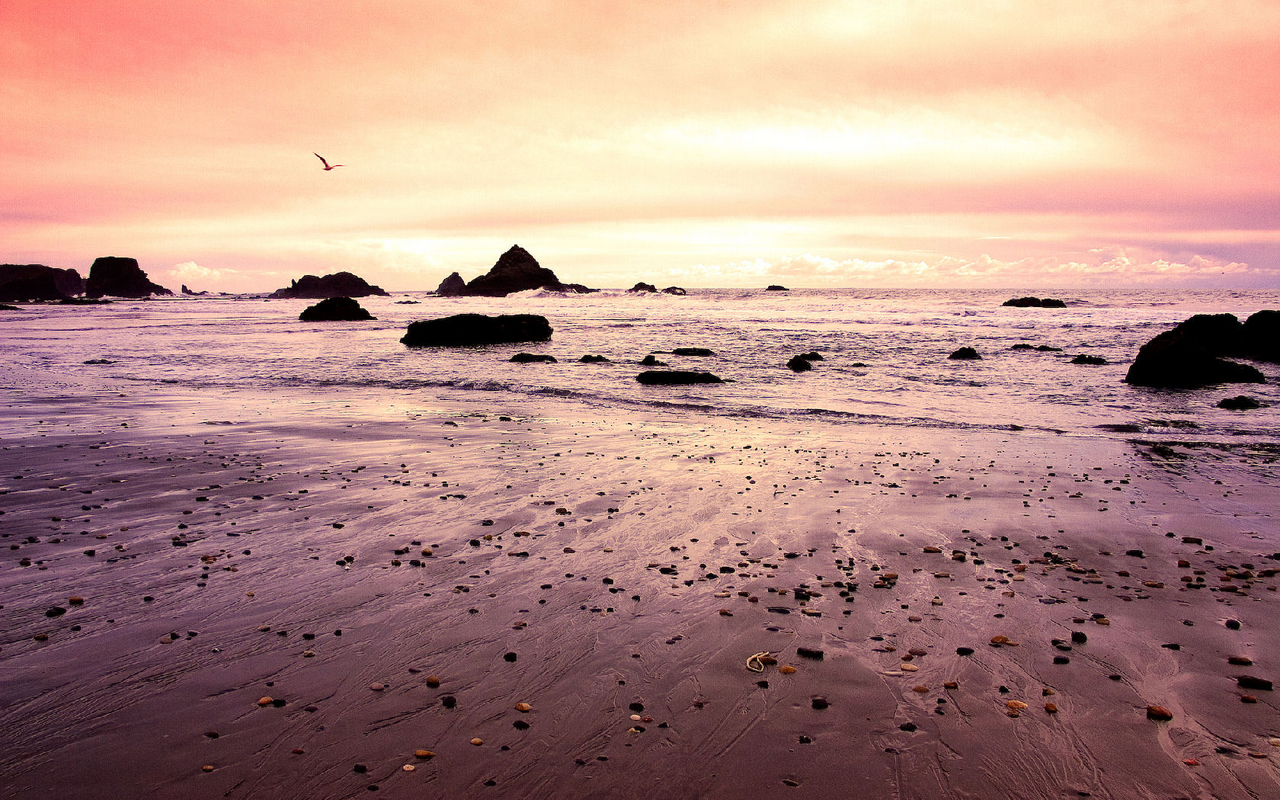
448	701
477	741
1250	682
819	703
207	768
1016	705
1240	661
510	657
1159	713
809	652
523	708
425	755
787	669
265	701
433	681
1051	708
408	768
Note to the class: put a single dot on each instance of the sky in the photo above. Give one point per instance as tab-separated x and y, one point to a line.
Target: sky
859	143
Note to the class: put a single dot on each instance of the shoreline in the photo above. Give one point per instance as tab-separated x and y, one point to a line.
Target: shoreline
124	705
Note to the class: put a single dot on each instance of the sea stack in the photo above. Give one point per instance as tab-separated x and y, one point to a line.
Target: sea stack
120	277
339	284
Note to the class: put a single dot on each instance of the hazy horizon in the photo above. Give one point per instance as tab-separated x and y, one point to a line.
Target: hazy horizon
812	144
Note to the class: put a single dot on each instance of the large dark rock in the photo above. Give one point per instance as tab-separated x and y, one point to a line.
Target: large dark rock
799	364
26	282
335	309
965	354
516	271
676	290
675	378
643	287
693	351
1034	302
1261	336
462	330
120	277
773	287
1191	355
452	286
339	284
593	359
652	361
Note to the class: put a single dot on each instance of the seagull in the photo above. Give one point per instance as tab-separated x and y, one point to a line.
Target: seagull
327	167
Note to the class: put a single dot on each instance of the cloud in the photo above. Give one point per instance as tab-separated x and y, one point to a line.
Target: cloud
1108	267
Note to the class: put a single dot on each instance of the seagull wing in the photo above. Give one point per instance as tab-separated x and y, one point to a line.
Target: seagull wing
322	161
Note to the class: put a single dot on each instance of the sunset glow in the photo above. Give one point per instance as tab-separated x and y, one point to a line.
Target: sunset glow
817	143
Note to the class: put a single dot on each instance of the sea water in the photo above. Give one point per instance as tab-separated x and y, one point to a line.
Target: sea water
884	356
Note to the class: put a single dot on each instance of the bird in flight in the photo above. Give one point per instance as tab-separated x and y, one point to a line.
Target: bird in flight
327	166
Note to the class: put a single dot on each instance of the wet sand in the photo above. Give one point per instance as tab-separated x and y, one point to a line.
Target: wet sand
270	587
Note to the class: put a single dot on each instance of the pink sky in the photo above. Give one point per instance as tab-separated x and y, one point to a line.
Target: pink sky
1011	144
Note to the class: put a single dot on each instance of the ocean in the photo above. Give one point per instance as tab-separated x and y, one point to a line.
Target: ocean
884	356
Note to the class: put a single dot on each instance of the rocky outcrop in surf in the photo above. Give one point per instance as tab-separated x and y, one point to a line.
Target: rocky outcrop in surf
461	330
675	378
1034	302
27	282
1195	352
339	284
335	309
120	277
515	271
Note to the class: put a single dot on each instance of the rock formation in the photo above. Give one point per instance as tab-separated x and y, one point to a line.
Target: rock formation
24	282
643	287
676	290
120	277
965	354
692	351
339	284
1034	302
1093	361
799	364
1239	403
590	359
516	271
335	309
462	330
189	293
1190	355
1261	336
533	358
773	287
675	378
452	286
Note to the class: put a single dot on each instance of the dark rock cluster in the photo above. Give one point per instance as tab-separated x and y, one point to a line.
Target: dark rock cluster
339	284
515	271
1034	302
27	282
1195	353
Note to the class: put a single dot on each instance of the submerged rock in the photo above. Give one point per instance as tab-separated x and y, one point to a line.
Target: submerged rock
339	284
965	354
590	359
675	378
120	277
335	309
462	330
533	358
676	290
1239	403
1095	361
799	364
692	351
652	361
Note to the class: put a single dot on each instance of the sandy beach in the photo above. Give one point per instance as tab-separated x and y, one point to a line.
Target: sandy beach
250	596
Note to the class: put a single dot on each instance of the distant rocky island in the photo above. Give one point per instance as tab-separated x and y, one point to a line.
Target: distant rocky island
109	276
339	284
1034	302
120	277
23	283
515	271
